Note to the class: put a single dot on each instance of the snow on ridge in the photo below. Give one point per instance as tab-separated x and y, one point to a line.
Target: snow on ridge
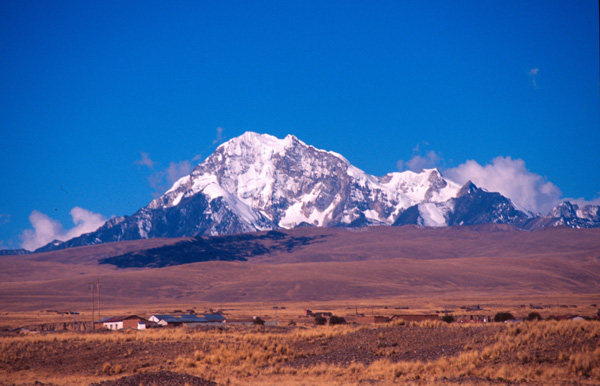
244	172
263	144
433	214
413	188
183	181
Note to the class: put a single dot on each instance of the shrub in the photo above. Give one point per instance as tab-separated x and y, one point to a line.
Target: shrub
336	320
503	317
258	320
448	318
320	320
534	316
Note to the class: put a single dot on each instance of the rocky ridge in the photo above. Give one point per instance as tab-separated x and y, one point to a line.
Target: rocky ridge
257	182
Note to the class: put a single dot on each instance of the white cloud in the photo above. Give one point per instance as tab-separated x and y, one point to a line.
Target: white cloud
510	178
162	180
85	221
145	161
532	75
176	170
419	162
219	137
583	202
46	229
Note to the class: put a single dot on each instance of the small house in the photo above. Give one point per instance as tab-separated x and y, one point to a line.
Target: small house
124	321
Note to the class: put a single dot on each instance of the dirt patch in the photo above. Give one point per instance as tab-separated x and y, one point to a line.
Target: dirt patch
163	378
89	358
396	343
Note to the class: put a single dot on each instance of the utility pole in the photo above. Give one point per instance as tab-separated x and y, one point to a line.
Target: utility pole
98	288
92	290
95	285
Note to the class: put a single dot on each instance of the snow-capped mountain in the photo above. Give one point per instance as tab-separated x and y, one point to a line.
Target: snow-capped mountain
572	216
258	182
470	206
285	183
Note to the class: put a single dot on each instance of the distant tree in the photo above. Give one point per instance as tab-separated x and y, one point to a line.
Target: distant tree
320	320
448	318
333	320
503	317
534	316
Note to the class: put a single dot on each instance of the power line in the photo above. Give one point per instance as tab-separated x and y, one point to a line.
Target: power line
98	288
95	285
92	291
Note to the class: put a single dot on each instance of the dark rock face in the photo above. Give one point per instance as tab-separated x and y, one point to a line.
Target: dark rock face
409	216
474	206
565	210
13	252
570	215
471	206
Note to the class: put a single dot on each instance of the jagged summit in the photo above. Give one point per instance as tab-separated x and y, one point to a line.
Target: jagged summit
565	210
468	188
571	215
259	182
282	183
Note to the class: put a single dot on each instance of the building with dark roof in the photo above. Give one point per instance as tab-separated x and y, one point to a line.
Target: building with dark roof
187	320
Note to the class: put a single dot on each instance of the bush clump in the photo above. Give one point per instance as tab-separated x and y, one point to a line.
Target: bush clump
448	318
534	316
333	320
258	320
320	320
503	317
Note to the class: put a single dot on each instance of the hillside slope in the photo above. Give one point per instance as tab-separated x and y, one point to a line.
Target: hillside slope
336	264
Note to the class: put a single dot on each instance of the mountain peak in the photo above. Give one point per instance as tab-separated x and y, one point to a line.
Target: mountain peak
251	139
468	188
565	210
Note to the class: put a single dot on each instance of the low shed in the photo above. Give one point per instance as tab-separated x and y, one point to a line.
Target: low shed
124	321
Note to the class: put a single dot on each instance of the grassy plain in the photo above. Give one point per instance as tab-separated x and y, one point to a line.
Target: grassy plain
373	271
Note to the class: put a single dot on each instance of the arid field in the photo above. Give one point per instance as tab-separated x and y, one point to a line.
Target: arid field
469	273
528	353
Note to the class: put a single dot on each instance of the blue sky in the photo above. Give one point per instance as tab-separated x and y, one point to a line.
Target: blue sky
490	88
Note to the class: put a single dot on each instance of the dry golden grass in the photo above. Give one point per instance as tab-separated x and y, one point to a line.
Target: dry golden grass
549	352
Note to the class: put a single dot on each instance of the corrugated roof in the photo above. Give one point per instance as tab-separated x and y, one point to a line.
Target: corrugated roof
214	317
207	318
